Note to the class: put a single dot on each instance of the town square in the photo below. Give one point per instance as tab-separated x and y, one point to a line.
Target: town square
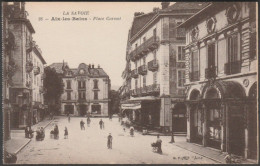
130	82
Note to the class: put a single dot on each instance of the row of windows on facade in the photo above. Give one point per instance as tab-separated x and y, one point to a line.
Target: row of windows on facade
82	84
233	60
180	78
82	95
179	35
180	52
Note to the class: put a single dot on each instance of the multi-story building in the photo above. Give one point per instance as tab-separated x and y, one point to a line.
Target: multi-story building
86	90
221	77
155	67
37	84
8	66
20	65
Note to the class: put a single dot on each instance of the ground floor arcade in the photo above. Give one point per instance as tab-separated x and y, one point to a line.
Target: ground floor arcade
223	115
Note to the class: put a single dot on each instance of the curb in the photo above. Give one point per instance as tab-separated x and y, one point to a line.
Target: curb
201	154
30	140
48	124
23	146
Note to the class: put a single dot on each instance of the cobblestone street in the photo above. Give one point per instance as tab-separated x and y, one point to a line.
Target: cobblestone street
90	147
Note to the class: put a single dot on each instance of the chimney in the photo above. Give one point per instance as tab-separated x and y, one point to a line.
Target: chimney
138	13
98	66
89	66
156	9
165	5
92	66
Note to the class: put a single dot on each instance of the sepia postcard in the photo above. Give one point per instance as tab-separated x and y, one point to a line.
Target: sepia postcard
130	82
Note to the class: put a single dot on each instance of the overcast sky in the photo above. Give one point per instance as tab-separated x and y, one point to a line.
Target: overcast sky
100	42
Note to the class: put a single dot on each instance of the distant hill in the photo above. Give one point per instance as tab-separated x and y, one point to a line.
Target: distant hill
115	87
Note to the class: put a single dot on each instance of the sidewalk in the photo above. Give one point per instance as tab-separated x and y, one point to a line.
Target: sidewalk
213	154
18	140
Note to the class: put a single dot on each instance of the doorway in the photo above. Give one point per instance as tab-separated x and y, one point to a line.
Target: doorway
236	131
82	110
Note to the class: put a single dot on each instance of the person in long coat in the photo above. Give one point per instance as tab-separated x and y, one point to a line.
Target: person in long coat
66	133
109	141
159	144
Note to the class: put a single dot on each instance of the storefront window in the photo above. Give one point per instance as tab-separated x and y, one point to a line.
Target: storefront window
214	124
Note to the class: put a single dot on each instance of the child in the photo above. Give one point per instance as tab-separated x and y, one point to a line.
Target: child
66	133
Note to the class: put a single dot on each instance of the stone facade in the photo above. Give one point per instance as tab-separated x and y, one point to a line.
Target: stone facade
20	66
85	91
155	68
221	77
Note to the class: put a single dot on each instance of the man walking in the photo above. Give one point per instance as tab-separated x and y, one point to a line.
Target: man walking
88	121
101	124
82	125
109	141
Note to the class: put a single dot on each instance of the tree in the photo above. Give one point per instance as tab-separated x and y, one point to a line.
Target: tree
54	87
114	102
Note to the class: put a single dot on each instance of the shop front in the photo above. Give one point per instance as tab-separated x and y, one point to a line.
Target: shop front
216	116
143	113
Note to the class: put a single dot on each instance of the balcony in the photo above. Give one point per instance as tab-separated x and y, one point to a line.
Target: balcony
232	67
152	43
211	72
134	73
82	100
194	76
148	45
36	70
142	70
153	89
153	65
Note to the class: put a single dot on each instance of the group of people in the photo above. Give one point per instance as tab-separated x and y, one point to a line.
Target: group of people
40	134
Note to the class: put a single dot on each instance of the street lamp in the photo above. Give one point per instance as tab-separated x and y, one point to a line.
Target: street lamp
172	138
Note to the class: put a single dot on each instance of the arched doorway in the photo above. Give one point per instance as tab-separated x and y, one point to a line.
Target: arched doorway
213	117
196	124
224	116
252	122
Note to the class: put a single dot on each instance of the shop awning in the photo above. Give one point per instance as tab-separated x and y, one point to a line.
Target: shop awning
145	98
132	106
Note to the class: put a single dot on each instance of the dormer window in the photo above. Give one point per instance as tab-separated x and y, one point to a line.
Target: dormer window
81	71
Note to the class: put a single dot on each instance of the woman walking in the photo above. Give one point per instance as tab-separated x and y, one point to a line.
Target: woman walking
66	133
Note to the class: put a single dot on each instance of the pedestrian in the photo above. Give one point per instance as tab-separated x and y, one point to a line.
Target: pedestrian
88	121
66	133
109	141
159	144
69	118
124	129
101	124
56	132
82	125
132	131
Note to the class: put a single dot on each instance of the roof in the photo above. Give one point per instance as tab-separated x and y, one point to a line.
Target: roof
98	72
179	7
58	67
207	10
140	21
92	72
186	6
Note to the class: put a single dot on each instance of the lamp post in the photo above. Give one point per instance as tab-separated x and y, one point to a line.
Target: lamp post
172	137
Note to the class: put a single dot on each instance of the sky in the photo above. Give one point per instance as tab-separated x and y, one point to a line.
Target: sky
95	41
